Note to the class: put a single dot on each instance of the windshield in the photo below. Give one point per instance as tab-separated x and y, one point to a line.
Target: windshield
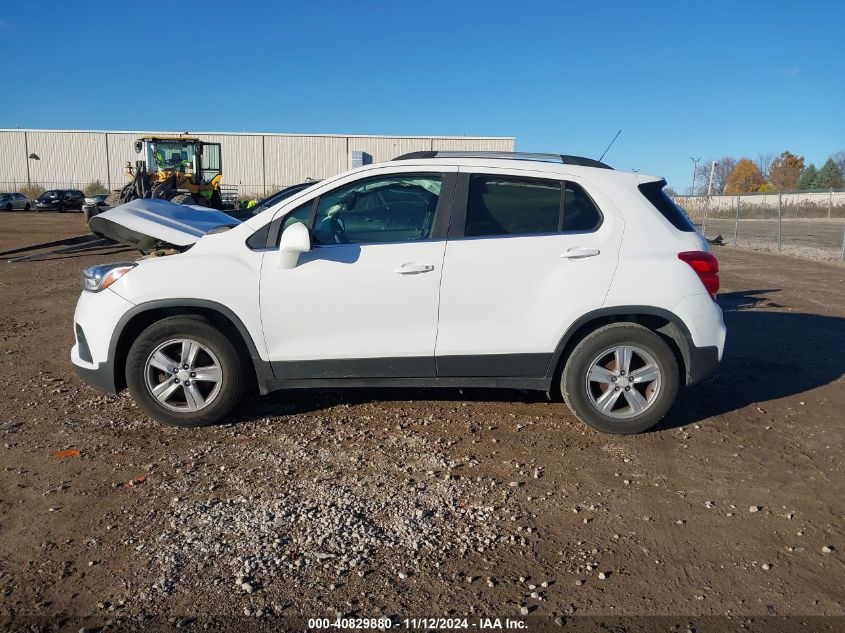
281	195
49	194
171	156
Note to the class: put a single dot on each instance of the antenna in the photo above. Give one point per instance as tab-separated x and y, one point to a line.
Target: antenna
611	143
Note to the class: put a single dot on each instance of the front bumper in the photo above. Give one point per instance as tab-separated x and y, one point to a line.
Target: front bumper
95	322
100	377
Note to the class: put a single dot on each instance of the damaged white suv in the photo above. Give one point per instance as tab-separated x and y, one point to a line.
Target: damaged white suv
437	269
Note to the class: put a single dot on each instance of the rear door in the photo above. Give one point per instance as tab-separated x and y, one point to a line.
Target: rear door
527	255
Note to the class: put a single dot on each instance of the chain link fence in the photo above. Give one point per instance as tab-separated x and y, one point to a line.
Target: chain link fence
807	224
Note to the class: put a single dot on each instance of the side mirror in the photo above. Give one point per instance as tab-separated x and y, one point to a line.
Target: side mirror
296	239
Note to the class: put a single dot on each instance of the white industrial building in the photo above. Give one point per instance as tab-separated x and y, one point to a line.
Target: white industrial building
254	162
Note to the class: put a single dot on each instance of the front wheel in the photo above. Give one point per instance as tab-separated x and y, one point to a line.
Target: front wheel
184	372
27	207
621	378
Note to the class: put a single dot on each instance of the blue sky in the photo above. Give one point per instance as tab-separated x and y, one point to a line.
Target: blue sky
680	79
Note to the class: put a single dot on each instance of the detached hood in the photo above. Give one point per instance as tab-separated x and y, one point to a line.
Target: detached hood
147	224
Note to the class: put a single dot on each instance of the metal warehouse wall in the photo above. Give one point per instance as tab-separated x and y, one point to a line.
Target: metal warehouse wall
254	162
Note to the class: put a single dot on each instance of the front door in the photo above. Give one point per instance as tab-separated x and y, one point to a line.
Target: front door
363	302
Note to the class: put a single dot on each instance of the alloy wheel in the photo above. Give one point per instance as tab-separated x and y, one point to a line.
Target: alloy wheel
183	375
623	381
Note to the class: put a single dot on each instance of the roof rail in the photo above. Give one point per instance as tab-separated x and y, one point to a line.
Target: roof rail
565	159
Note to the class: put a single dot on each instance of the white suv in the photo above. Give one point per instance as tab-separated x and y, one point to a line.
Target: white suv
437	269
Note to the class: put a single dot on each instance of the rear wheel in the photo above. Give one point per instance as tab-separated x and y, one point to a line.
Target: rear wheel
184	372
621	378
8	207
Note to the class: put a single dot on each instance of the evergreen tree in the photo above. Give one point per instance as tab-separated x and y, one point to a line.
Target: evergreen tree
807	177
828	177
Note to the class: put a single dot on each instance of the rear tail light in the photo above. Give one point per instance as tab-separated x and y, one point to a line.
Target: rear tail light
705	266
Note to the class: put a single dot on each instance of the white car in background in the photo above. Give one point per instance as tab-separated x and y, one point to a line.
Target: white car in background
437	269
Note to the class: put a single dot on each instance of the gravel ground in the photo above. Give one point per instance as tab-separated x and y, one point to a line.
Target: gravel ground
427	502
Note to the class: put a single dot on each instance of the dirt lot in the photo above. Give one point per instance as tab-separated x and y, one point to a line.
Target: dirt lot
425	503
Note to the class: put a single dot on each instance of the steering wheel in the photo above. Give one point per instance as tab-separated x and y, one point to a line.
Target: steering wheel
332	227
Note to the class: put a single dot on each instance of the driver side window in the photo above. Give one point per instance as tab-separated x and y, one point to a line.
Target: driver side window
397	208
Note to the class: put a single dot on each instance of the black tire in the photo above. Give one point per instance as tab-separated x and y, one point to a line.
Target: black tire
184	198
62	208
27	207
577	392
234	372
8	207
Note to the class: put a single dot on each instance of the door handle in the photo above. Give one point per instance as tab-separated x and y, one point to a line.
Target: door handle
580	253
414	269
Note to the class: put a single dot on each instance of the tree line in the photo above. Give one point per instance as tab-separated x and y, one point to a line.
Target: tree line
768	173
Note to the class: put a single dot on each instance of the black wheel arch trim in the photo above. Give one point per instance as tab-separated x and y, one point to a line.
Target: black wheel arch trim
699	362
263	370
693	357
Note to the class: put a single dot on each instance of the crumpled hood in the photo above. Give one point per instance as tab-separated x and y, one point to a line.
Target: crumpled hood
146	224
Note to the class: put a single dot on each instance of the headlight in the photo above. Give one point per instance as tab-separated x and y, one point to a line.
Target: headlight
96	278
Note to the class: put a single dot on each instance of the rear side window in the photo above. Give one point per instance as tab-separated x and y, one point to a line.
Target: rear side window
511	206
498	205
579	210
653	192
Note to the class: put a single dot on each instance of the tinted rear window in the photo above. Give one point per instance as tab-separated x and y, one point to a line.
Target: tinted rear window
511	206
653	192
579	211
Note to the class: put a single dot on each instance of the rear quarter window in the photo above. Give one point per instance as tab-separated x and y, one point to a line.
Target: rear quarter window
654	193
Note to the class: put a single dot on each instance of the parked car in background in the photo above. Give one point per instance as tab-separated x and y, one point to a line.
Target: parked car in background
94	204
97	199
14	202
60	200
437	269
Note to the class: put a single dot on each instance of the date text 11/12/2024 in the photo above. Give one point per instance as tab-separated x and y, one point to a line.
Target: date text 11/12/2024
423	624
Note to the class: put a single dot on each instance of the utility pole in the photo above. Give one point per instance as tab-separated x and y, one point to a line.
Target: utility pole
694	169
26	150
707	199
710	181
